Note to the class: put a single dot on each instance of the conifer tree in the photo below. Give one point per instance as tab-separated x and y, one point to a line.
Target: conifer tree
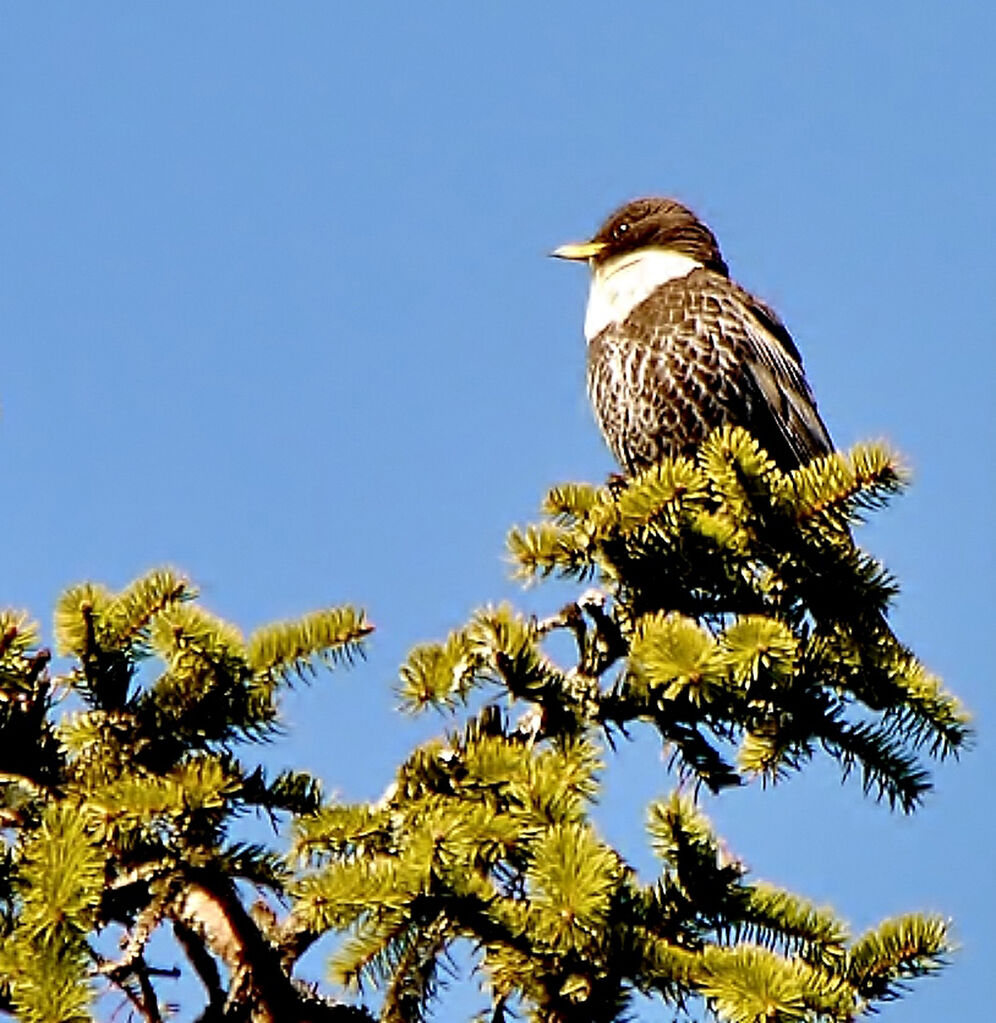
121	811
726	608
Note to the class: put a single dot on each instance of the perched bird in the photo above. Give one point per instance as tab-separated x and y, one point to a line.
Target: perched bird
676	348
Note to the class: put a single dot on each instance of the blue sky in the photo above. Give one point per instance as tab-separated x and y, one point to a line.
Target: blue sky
276	311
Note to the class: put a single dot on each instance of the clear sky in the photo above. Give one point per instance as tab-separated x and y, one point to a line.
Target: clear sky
276	310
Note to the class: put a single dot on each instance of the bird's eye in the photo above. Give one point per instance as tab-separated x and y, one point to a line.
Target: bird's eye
620	230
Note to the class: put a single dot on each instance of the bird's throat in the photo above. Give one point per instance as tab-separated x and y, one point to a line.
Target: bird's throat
621	283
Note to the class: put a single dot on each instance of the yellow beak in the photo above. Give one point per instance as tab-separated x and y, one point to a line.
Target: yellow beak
578	250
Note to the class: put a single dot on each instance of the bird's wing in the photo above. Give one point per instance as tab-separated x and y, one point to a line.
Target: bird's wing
774	369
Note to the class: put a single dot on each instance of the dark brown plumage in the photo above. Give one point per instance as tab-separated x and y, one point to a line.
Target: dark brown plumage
676	349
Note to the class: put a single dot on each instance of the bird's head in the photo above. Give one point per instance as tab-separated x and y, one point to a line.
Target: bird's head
653	223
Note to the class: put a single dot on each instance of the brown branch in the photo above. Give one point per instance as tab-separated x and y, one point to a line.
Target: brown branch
210	907
205	967
150	1003
131	959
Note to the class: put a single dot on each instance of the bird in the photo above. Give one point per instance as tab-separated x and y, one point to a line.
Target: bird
676	348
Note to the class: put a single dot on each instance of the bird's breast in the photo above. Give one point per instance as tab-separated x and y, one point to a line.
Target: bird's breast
621	283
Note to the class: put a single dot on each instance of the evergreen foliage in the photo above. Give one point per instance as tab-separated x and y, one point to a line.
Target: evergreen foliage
118	815
733	615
